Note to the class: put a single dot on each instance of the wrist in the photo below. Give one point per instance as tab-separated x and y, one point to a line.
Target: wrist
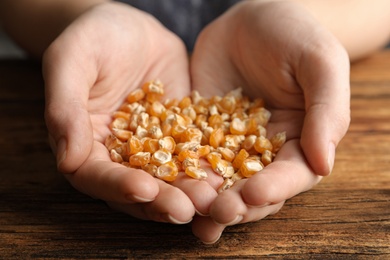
35	24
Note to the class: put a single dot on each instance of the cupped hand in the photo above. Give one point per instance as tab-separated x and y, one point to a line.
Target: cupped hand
277	51
89	69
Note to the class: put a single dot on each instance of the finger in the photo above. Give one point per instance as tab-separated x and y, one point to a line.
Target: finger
286	177
209	231
206	229
324	77
201	193
171	205
103	179
67	85
230	208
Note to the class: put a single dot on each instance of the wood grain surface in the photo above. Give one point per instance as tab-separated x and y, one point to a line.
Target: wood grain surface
346	216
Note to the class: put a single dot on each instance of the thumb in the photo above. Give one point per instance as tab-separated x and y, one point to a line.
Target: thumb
66	114
325	82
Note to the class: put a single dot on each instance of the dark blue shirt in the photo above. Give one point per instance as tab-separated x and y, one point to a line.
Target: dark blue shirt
186	18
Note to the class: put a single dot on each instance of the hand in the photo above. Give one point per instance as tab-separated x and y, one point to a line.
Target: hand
89	69
277	51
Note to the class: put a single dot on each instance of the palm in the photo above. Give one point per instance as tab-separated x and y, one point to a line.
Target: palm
89	70
279	62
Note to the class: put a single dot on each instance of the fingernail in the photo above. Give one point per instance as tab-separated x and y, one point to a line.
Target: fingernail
135	198
233	222
175	221
61	151
201	214
213	241
331	156
260	206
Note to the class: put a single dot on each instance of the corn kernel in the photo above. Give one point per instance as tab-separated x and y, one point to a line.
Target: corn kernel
115	156
139	159
250	167
216	137
134	145
262	144
240	158
135	96
266	157
167	171
196	173
167	143
277	141
160	157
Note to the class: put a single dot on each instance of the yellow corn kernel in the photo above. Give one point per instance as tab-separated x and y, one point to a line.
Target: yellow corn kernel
151	145
200	109
266	157
177	131
135	96
237	176
171	103
177	162
115	156
226	105
112	142
119	123
215	120
261	115
237	127
240	158
233	142
139	159
122	134
160	157
167	143
196	173
154	86
141	132
154	121
257	103
155	132
195	97
134	145
156	109
216	137
227	184
187	154
185	102
251	125
166	129
189	112
250	167
203	151
143	119
190	162
249	144
150	168
262	144
226	153
191	135
167	171
121	114
221	166
277	141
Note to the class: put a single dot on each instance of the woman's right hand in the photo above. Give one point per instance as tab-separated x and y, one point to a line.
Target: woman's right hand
89	69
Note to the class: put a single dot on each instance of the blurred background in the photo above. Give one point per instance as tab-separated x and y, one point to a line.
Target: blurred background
9	50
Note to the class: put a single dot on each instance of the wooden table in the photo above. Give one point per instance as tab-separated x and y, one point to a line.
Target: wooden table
345	216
